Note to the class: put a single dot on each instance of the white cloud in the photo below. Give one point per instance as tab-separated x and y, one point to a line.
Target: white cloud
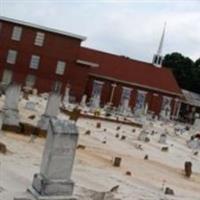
129	28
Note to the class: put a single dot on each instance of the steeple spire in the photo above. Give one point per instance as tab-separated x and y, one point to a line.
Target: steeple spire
158	58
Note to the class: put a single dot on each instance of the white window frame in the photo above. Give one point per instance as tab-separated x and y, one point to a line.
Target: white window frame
99	82
95	98
166	101
141	95
142	92
60	68
35	61
12	56
39	39
97	88
126	94
16	33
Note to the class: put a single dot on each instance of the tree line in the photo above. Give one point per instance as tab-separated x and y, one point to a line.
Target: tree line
186	71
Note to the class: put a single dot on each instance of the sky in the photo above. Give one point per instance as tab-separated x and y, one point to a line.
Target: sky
131	28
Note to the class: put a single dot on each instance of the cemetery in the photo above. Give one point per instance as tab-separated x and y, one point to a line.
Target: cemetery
78	123
86	154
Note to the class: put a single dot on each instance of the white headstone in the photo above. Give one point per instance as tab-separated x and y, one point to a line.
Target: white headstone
166	112
10	110
12	97
143	135
194	144
146	108
83	101
95	102
66	97
126	104
54	178
30	105
51	111
35	92
53	104
195	128
124	108
163	138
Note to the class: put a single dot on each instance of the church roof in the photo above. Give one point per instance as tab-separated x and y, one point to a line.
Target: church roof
191	98
129	71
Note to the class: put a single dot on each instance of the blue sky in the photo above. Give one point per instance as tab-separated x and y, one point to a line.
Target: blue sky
125	27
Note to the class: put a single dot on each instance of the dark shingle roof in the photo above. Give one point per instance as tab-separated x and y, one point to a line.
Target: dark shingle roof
132	71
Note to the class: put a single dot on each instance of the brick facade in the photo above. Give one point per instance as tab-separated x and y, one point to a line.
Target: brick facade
94	65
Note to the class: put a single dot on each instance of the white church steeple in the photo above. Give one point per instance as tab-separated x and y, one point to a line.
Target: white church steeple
158	58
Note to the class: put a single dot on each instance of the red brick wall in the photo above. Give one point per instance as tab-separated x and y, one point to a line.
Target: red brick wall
154	101
56	47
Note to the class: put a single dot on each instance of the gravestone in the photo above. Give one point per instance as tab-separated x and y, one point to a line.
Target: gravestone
195	128
163	138
10	110
95	102
188	169
51	111
144	121
156	118
117	161
146	108
30	105
66	97
83	101
54	180
143	136
194	143
124	107
166	112
34	91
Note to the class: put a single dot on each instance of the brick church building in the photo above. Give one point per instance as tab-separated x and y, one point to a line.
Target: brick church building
49	59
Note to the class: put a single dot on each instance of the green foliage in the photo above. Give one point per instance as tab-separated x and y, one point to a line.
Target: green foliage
186	71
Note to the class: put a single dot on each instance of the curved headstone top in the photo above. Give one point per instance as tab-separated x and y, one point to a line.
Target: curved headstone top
63	126
12	96
53	104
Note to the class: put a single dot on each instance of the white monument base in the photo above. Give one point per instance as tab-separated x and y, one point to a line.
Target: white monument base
37	196
11	117
24	196
31	194
43	123
46	187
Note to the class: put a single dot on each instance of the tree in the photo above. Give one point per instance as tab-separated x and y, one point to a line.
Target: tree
186	71
197	63
196	76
